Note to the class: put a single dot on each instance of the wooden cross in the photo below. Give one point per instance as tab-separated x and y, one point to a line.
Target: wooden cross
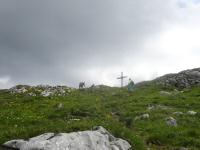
121	78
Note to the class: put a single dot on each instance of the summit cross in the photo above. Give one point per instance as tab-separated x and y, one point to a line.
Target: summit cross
122	78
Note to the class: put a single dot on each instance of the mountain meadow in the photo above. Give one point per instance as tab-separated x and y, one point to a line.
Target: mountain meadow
152	116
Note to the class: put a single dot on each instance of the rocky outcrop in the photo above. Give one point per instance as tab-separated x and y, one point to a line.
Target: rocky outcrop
41	90
183	79
98	139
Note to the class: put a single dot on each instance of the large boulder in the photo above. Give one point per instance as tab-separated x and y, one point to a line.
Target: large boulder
98	139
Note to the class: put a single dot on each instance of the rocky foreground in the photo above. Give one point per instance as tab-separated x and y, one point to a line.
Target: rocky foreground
98	139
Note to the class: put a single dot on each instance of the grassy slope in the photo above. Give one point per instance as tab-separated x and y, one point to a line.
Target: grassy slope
24	116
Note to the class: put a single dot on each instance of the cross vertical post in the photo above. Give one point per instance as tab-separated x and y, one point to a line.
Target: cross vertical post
122	78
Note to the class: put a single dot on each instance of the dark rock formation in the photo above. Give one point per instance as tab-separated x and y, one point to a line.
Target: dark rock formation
183	79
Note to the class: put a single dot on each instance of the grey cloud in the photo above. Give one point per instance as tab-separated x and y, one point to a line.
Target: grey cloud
49	41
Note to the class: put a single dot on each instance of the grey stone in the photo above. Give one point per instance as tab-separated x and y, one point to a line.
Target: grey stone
144	116
97	139
60	106
192	113
153	107
165	93
171	121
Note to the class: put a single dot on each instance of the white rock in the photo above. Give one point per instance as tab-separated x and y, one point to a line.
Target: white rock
18	90
46	93
171	121
192	113
75	119
151	107
31	94
23	90
100	139
60	105
144	116
165	93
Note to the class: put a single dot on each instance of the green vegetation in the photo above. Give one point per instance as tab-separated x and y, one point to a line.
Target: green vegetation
23	116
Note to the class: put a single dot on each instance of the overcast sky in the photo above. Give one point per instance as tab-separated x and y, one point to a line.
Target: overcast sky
67	41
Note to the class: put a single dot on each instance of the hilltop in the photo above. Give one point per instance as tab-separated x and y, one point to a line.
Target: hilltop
160	114
183	79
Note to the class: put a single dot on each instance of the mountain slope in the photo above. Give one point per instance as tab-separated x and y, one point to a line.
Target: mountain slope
152	116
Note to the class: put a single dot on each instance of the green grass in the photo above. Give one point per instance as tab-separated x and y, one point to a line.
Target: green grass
22	116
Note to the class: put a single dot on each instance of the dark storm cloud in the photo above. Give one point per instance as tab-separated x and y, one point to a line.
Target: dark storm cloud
57	41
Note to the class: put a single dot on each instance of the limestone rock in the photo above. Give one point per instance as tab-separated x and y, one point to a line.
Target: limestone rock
60	106
192	113
151	107
165	93
46	93
144	116
154	107
98	139
171	121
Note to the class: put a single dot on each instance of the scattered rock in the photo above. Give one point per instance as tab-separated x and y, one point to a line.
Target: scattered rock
152	107
192	113
171	121
177	91
19	89
32	94
41	90
178	113
46	93
98	139
60	106
144	116
165	93
75	119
